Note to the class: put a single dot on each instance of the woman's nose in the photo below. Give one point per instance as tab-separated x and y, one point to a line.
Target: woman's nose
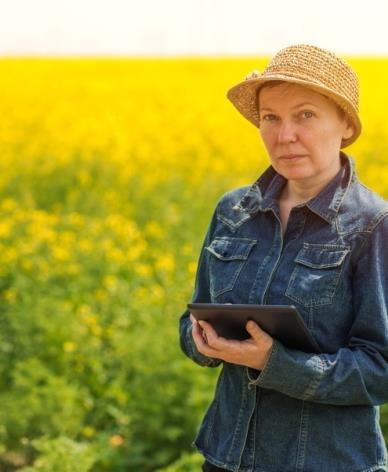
287	132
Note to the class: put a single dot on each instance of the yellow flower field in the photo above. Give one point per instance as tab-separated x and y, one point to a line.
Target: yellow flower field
109	172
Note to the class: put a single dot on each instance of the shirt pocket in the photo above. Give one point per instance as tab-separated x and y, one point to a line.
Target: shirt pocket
227	258
316	274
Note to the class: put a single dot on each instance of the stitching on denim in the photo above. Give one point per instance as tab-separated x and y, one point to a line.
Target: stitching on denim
250	378
381	449
328	219
212	459
344	253
215	293
214	406
362	184
350	177
304	224
236	434
309	392
254	422
334	288
323	300
320	302
275	266
359	253
376	468
246	444
311	265
241	257
232	280
231	224
302	439
212	413
323	245
261	377
249	190
310	318
258	277
378	218
371	226
337	226
246	243
233	239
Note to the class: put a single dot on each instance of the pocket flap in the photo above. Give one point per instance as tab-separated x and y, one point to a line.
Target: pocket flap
321	257
231	248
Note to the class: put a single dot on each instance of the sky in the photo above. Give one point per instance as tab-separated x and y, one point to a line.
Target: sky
190	27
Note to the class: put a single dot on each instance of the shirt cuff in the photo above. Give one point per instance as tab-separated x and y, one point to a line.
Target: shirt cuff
292	372
259	373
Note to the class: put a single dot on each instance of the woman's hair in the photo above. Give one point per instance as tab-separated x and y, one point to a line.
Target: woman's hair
341	113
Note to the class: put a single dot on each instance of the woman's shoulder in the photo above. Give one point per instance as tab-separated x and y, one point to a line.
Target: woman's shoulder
235	194
228	200
364	205
228	208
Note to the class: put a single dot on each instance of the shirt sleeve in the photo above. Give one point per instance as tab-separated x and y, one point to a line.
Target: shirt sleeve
358	373
201	295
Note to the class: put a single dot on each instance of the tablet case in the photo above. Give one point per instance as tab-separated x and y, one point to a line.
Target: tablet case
282	322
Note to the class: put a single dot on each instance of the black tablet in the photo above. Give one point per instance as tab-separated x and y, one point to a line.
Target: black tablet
282	322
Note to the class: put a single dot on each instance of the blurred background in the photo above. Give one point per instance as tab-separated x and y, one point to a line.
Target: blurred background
116	141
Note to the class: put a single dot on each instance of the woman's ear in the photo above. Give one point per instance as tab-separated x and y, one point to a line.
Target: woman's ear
348	130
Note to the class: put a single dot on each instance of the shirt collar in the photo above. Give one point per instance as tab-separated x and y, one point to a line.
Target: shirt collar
262	194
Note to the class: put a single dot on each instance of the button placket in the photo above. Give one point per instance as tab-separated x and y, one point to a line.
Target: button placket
295	225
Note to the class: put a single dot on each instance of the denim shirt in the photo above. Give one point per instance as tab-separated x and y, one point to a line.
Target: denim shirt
303	411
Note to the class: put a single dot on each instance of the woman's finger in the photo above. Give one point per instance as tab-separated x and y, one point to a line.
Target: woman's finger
199	340
209	332
257	334
208	328
204	328
197	333
196	328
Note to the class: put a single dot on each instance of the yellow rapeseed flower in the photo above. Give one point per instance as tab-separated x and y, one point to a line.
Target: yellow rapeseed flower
154	229
192	267
5	228
166	262
143	270
69	346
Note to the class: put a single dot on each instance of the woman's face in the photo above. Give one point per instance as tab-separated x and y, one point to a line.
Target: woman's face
297	120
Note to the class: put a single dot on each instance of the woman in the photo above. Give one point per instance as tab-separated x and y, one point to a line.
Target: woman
306	233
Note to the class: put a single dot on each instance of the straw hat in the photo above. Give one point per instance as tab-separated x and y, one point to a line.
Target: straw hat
311	66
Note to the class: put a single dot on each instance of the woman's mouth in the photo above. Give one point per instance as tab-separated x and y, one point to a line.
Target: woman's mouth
291	157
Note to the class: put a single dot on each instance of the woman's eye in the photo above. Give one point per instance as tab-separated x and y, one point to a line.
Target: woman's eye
307	112
265	117
271	117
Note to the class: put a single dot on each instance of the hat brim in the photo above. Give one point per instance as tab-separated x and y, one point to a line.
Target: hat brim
244	98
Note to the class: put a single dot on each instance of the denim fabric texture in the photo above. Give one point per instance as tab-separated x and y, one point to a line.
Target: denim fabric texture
302	412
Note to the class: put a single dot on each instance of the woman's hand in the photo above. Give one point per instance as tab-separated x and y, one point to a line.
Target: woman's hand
253	352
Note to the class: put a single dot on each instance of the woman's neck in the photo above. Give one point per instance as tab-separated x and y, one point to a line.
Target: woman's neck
296	192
